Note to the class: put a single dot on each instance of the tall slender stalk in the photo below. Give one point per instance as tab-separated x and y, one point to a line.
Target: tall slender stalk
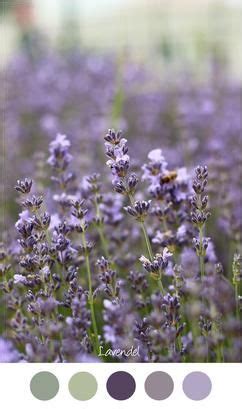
147	240
236	270
148	246
200	213
90	298
144	230
201	256
161	286
237	300
100	230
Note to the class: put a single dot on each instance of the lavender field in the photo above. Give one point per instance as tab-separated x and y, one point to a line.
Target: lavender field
120	212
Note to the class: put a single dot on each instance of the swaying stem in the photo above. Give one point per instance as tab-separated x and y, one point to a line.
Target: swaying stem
219	348
148	245
146	237
131	199
236	288
104	242
93	318
147	241
236	274
101	235
201	256
220	355
100	231
161	286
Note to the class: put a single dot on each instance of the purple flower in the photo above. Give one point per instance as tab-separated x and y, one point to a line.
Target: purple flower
59	152
159	262
7	352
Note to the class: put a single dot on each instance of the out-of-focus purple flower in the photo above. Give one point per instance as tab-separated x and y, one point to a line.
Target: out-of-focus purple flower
7	352
19	279
59	152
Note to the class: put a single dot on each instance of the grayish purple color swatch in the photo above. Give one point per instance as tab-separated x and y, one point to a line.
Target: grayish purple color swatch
159	385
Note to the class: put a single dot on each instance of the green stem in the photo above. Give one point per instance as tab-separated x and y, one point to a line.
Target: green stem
146	237
93	318
104	242
219	353
100	230
147	241
160	285
201	257
131	199
222	351
236	288
148	245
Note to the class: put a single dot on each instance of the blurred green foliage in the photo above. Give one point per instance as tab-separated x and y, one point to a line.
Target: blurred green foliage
6	6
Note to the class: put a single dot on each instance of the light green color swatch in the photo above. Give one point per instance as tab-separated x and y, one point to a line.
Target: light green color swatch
83	386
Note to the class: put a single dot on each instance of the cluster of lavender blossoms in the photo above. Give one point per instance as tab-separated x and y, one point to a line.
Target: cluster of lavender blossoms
98	265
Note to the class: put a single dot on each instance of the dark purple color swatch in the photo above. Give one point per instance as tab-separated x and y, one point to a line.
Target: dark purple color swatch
121	385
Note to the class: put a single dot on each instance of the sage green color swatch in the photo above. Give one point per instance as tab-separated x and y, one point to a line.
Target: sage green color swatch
44	385
83	386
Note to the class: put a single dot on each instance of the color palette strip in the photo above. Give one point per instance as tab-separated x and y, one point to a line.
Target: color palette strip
121	386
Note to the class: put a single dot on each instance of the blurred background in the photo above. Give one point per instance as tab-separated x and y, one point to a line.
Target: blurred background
176	32
166	72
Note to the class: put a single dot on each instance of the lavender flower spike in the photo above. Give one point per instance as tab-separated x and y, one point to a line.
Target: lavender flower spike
156	266
200	214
